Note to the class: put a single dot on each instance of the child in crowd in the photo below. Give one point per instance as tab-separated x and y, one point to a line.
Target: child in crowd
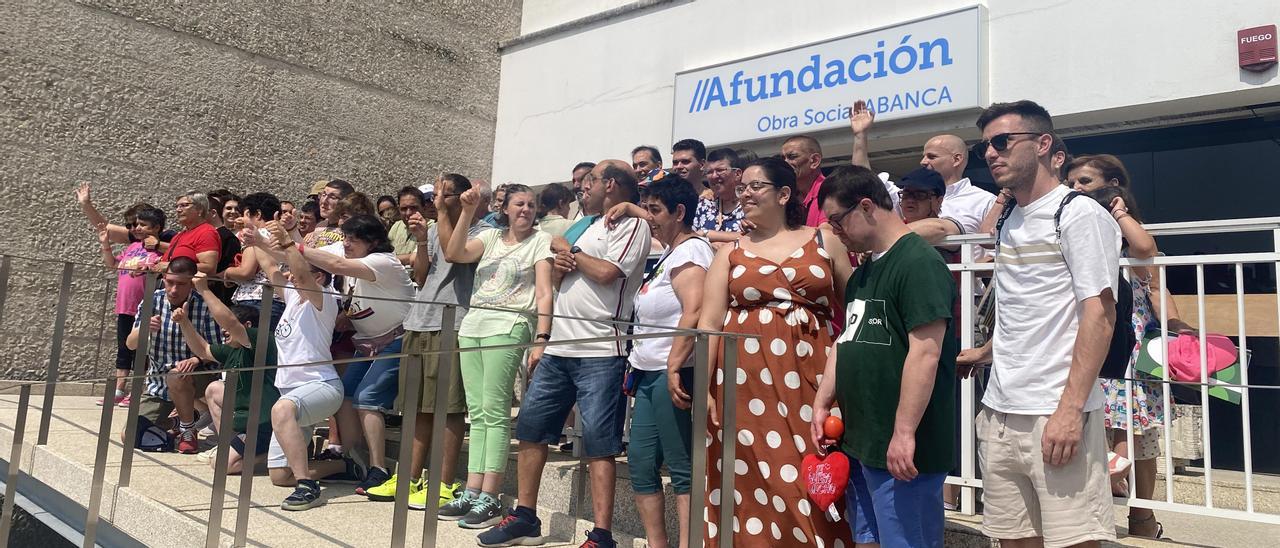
133	264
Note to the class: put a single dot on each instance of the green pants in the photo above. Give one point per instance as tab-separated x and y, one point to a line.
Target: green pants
488	378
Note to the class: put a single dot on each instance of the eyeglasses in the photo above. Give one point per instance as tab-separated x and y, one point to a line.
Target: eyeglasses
755	187
999	142
182	205
838	218
722	171
916	195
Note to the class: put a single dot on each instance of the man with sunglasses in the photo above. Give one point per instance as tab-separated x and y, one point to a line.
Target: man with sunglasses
1040	432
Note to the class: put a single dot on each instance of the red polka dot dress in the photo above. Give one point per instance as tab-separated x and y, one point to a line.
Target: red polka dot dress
788	305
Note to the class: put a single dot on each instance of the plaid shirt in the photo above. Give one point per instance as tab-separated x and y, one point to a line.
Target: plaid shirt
167	346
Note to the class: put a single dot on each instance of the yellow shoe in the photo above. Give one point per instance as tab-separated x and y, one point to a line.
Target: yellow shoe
418	499
387	491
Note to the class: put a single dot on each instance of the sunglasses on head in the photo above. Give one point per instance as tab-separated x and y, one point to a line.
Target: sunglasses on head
999	142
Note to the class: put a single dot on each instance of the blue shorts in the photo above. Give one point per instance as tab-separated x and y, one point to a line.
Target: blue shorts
884	510
373	385
595	384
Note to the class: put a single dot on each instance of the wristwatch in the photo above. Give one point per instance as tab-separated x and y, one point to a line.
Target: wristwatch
575	250
542	337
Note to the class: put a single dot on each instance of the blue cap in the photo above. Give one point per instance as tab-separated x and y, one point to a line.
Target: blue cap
923	179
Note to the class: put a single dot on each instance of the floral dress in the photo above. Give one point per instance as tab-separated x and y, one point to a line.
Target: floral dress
788	306
1148	397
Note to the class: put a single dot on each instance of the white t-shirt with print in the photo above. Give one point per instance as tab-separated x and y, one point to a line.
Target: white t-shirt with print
1041	281
303	336
505	278
373	318
625	246
656	304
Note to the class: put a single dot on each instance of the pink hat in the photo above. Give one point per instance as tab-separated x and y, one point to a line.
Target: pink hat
1184	356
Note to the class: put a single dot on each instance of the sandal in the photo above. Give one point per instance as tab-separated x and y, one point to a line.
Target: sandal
1159	532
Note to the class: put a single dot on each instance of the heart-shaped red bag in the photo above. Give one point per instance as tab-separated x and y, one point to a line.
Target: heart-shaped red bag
826	478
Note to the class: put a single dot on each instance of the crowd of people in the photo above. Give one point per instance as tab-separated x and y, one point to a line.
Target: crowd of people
837	282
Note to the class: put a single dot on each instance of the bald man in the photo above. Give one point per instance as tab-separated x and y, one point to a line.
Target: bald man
804	155
945	154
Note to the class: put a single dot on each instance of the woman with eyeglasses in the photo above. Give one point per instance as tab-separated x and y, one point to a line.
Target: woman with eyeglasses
512	283
1104	178
378	293
777	284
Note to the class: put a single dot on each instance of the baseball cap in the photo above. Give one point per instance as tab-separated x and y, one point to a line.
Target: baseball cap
318	187
923	179
429	190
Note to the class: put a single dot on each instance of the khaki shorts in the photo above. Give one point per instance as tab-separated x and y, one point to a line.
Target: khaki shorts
416	342
1023	497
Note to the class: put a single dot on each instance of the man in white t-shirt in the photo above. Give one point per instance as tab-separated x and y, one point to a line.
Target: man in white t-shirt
1040	433
598	279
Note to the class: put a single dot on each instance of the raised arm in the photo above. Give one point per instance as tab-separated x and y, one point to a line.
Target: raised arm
116	233
303	282
860	120
195	341
459	249
421	257
108	257
223	316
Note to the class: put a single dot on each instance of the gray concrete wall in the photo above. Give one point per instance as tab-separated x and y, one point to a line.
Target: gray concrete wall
150	98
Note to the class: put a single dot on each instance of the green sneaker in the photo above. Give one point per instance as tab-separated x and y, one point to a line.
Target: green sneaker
387	491
448	491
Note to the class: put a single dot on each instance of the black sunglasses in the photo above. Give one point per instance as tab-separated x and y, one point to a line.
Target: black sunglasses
999	142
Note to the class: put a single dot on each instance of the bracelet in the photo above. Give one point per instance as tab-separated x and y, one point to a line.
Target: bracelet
542	336
299	248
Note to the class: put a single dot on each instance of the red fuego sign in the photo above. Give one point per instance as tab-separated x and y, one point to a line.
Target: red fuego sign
1257	48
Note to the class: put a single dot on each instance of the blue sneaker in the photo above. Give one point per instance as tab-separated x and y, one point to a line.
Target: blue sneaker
514	530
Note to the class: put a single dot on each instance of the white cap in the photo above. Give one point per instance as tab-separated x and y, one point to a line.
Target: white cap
428	189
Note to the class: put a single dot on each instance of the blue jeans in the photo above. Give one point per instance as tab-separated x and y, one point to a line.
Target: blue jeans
373	385
595	384
884	510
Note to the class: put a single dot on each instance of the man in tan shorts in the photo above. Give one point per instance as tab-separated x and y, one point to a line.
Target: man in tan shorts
1041	442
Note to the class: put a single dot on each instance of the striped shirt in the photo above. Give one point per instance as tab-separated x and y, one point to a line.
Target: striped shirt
626	247
167	346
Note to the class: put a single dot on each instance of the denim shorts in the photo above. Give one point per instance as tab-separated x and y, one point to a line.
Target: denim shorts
595	384
890	512
373	385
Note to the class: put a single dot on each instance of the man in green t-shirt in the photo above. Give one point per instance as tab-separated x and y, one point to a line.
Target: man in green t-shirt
239	325
893	371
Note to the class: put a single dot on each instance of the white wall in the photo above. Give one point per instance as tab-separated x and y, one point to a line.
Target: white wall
597	93
540	14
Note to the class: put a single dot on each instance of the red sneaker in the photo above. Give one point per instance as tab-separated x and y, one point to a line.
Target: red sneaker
189	443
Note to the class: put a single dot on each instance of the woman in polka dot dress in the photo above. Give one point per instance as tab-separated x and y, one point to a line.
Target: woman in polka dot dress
776	283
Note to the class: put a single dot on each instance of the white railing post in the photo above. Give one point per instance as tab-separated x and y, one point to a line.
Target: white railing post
1204	390
1246	427
968	468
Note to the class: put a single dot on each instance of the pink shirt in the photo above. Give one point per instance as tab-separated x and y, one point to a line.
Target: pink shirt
133	263
815	217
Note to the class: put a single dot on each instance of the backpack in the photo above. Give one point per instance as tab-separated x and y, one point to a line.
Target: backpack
1116	363
151	438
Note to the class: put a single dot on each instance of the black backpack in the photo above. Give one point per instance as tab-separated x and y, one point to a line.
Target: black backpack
1116	363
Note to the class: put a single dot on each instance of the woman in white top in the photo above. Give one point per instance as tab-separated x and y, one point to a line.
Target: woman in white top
513	274
379	294
671	296
309	394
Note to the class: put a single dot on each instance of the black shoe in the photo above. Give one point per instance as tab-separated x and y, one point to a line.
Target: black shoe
305	496
352	474
485	513
566	447
373	478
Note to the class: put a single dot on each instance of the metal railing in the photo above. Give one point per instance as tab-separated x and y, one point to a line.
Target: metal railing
968	479
412	361
969	270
